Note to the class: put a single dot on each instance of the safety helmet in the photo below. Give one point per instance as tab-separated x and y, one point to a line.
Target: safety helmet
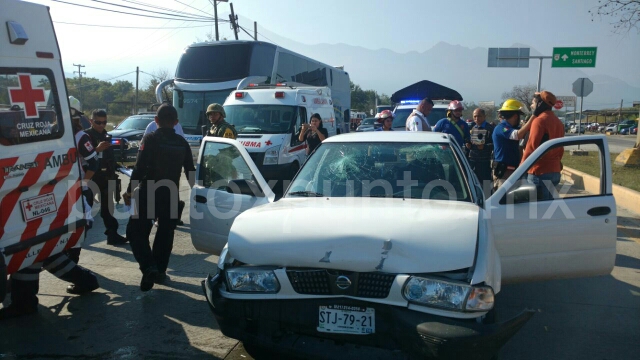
511	105
216	108
75	103
455	105
383	115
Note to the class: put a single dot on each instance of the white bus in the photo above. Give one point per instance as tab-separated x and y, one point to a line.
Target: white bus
208	72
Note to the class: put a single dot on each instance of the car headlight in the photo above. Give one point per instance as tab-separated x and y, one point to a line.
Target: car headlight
252	279
133	144
448	295
271	156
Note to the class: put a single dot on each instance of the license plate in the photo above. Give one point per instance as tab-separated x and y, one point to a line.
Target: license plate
341	319
39	206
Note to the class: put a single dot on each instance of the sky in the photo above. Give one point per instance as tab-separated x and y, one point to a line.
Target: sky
108	51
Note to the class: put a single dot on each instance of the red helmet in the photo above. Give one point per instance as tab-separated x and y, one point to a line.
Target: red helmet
455	105
384	114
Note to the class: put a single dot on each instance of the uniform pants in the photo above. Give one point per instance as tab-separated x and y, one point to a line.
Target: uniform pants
26	282
139	229
107	205
482	169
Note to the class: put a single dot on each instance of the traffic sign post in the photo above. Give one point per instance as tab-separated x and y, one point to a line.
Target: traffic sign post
574	57
582	87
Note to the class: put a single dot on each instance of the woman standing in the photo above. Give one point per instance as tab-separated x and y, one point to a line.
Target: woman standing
313	133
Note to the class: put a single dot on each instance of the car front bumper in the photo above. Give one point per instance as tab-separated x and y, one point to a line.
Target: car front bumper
289	327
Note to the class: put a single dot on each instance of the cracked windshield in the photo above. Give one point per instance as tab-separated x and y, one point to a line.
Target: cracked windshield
400	170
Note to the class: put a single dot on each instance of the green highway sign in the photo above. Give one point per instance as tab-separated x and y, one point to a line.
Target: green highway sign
574	57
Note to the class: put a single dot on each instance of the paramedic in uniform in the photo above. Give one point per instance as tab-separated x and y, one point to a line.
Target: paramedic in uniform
219	127
105	175
162	156
506	135
417	121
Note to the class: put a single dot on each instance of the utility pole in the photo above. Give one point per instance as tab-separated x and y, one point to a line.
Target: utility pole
135	104
620	111
80	73
255	30
215	14
234	21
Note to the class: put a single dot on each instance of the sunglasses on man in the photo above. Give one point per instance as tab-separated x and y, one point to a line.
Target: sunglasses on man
100	122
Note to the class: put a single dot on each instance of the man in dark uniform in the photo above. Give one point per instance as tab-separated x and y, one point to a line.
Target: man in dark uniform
219	127
162	156
105	178
481	149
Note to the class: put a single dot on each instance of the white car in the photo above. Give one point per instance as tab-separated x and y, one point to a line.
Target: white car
312	271
402	112
613	127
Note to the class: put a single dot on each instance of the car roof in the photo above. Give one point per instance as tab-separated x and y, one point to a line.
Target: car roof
394	136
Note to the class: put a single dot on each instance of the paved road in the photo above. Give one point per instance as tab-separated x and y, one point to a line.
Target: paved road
617	143
595	318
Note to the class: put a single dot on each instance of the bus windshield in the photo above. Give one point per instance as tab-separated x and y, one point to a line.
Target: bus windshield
192	105
261	119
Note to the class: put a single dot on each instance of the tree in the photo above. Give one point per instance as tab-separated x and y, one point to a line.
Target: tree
626	14
522	93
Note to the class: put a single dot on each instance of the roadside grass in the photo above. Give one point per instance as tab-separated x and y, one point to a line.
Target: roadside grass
624	176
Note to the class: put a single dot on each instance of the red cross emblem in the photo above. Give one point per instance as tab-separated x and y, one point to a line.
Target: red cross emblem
27	96
29	206
268	142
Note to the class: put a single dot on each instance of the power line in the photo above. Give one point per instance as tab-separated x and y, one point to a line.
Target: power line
174	13
126	13
132	27
179	2
119	76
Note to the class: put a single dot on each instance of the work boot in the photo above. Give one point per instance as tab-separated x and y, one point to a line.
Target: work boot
161	278
148	278
14	310
88	284
113	238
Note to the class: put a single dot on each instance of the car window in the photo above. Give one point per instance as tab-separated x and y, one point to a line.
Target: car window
368	121
400	170
135	123
32	113
261	119
221	163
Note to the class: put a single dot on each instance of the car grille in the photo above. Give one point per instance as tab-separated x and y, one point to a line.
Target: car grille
324	282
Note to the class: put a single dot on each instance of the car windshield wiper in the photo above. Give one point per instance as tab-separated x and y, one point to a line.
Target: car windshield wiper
305	193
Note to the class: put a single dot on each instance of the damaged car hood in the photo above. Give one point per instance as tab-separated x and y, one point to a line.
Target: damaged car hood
358	234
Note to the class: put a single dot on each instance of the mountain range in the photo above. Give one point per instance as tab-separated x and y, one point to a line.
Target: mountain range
461	68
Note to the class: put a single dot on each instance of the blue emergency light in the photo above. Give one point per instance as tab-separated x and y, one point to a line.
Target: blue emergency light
410	102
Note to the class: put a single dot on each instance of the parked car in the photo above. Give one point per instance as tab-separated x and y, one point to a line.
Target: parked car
625	131
126	137
626	124
368	124
574	129
634	130
421	279
612	128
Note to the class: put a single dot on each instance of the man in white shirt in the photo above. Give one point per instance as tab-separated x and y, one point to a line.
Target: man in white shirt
417	121
153	127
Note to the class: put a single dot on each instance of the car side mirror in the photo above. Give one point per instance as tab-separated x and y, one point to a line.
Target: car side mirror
244	187
524	193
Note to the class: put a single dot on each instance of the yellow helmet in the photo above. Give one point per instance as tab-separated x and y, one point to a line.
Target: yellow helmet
511	105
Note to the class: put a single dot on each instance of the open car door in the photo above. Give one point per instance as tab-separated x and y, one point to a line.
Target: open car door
227	183
571	235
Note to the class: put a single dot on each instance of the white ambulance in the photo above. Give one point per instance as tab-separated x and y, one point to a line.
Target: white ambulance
268	120
41	207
